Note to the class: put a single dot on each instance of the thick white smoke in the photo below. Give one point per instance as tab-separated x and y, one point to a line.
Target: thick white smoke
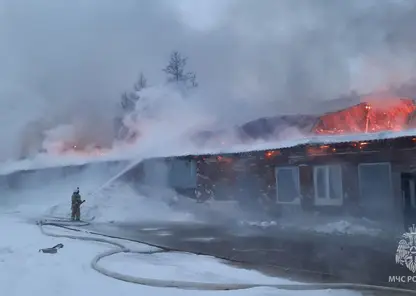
66	63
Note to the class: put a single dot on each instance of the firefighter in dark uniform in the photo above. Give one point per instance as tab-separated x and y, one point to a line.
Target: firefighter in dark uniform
76	205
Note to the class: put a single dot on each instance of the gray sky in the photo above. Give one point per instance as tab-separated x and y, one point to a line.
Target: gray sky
71	59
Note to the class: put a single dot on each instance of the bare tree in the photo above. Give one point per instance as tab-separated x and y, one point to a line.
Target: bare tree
141	83
192	80
175	70
129	99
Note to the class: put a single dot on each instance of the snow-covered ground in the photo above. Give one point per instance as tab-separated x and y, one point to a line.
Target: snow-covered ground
26	271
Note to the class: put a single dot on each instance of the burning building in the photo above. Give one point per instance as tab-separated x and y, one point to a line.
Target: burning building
358	161
354	166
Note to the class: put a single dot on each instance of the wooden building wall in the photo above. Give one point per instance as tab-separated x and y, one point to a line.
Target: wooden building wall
353	201
250	177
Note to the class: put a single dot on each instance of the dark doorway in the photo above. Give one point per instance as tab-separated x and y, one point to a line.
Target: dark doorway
409	199
376	192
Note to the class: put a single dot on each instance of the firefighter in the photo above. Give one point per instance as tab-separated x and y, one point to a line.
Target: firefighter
76	205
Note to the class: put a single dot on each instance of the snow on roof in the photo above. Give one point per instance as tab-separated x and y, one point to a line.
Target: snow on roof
49	161
319	140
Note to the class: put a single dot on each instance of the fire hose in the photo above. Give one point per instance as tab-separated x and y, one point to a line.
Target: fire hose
120	248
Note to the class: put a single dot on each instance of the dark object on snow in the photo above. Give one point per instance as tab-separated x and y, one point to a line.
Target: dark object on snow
76	203
52	250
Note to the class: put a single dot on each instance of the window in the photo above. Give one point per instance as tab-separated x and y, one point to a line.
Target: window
182	173
287	185
412	194
192	168
375	186
328	185
155	172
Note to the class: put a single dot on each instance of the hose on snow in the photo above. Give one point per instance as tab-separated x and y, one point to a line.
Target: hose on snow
120	248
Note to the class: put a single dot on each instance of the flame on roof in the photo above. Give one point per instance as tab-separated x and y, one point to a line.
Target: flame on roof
371	116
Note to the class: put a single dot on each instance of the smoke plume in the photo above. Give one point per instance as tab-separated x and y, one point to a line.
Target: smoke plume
67	62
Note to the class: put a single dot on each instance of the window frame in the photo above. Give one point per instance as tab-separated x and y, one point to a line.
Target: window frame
327	200
374	164
297	199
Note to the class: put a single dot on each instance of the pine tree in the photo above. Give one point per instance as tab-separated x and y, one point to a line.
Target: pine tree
175	71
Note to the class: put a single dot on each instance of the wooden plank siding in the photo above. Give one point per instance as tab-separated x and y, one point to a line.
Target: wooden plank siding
250	176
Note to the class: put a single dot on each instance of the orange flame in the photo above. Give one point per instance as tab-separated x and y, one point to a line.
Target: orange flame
223	159
271	154
385	115
74	149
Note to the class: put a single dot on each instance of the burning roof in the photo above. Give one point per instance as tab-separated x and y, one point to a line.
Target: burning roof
370	116
353	115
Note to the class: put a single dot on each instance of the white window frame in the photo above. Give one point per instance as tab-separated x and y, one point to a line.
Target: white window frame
373	164
193	170
326	200
297	199
192	167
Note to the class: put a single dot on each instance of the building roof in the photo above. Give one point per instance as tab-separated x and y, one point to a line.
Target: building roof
318	140
267	128
348	116
367	117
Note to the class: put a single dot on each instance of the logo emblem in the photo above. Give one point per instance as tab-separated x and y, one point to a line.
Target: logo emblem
406	251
